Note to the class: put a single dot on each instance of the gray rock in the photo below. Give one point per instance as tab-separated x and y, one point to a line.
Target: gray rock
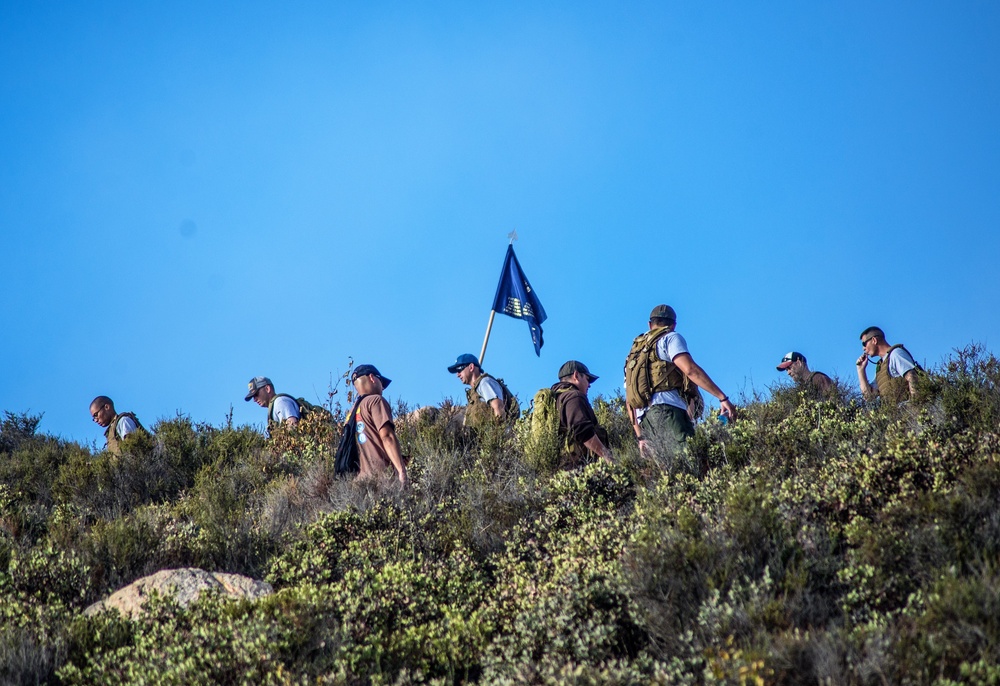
183	585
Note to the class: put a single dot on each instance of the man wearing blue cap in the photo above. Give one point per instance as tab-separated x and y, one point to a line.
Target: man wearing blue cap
485	393
378	445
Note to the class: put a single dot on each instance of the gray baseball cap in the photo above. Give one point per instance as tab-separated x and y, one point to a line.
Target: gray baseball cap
257	383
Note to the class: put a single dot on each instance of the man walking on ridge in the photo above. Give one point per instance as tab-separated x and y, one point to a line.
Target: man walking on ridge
798	369
659	372
488	397
895	372
118	425
579	433
281	407
378	445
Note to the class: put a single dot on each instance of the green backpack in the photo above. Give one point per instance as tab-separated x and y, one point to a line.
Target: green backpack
544	416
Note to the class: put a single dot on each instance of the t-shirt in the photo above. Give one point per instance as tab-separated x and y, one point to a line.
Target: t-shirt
373	414
667	348
283	408
489	389
900	362
125	426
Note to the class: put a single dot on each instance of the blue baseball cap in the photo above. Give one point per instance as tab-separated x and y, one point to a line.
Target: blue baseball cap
463	361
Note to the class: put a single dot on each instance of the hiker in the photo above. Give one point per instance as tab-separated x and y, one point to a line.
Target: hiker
798	369
118	425
579	431
488	396
658	385
281	407
378	446
895	372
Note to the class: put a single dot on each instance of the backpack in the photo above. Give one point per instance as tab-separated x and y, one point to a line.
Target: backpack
305	408
544	415
347	459
646	373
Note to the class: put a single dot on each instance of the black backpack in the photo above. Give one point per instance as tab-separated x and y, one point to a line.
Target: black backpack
347	459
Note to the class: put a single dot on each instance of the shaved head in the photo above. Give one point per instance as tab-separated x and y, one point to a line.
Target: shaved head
101	401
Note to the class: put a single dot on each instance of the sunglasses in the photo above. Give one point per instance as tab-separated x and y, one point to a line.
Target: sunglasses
866	341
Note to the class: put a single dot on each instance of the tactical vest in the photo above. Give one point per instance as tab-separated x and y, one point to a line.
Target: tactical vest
480	410
894	389
111	433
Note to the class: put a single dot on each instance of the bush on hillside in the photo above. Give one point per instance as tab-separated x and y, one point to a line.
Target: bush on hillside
818	541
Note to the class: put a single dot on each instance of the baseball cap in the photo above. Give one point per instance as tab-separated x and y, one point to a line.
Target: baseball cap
573	366
463	361
365	370
663	312
257	383
789	359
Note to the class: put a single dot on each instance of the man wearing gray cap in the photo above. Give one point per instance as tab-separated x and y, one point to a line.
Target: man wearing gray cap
579	432
658	373
281	407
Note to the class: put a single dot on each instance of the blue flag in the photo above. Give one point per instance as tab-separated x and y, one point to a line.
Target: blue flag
515	298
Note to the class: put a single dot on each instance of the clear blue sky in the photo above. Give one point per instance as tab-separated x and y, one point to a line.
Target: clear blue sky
192	194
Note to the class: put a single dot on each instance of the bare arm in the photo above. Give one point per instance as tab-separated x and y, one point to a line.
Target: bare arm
866	389
911	380
693	371
595	446
498	407
391	443
632	418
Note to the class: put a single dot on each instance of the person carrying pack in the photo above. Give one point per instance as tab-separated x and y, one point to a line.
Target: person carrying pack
281	407
117	425
488	396
817	383
896	371
371	429
662	384
580	436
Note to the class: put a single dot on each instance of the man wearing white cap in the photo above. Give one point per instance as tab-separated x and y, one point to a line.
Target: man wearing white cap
795	365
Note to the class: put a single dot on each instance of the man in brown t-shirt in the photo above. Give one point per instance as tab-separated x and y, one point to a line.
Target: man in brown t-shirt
378	446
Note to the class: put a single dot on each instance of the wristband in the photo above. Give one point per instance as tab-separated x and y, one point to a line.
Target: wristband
724	399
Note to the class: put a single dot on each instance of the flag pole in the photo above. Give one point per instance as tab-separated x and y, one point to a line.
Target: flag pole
493	313
489	326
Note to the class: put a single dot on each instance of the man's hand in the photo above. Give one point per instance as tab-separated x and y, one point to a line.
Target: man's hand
863	361
726	408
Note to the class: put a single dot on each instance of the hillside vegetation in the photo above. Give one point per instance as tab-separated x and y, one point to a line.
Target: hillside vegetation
804	543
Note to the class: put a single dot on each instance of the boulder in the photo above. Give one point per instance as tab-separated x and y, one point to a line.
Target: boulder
452	417
183	585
